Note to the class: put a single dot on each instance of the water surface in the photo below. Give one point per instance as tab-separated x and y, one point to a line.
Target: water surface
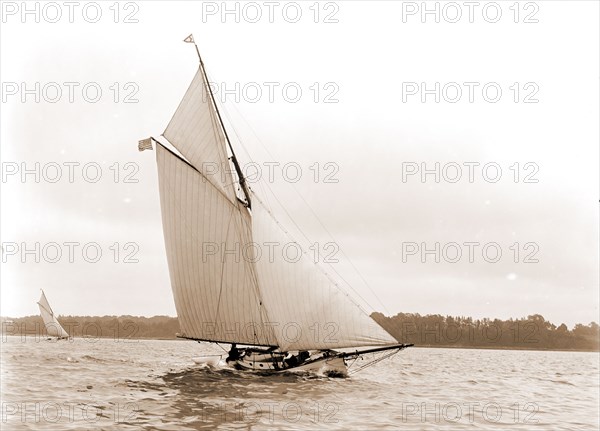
153	384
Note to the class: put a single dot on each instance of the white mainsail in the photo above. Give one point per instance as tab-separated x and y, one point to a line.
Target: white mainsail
223	290
53	327
216	300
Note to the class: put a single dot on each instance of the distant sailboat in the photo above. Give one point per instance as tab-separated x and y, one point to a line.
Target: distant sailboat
292	315
53	326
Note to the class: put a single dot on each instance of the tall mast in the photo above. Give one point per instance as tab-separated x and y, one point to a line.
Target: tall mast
238	170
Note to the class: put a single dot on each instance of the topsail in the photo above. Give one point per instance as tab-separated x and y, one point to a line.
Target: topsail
53	327
195	132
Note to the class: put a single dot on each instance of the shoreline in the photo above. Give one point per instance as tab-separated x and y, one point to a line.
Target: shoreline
541	349
423	346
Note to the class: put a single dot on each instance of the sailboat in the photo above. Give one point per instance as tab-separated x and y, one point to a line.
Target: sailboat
53	326
277	315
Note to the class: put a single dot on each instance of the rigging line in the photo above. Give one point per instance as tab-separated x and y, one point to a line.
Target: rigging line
223	271
268	188
317	265
373	362
307	205
219	137
217	343
239	139
302	232
216	127
253	275
304	252
241	178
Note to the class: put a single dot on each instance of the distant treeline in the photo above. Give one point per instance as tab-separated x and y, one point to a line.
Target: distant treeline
121	327
532	332
432	330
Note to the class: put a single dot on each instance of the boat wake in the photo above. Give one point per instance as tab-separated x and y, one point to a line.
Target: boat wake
217	365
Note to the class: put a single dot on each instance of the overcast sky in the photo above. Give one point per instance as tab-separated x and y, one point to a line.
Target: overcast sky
370	64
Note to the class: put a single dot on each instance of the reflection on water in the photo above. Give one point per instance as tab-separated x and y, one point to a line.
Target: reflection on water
153	384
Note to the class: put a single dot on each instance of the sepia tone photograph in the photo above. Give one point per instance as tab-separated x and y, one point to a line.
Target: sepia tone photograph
300	215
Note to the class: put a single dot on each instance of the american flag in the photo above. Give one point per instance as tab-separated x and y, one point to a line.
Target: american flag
145	144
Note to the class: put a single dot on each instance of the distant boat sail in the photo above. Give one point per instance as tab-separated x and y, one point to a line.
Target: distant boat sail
53	327
293	310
